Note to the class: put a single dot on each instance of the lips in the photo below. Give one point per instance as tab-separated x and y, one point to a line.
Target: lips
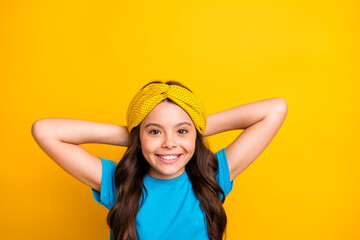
174	154
169	161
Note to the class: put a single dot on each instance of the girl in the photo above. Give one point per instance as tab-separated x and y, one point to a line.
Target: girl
168	184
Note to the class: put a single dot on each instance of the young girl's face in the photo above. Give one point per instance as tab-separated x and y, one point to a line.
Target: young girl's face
165	133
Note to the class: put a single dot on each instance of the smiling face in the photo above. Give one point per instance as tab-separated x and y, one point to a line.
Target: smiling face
165	133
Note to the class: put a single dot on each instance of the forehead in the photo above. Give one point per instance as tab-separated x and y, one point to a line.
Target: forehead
167	113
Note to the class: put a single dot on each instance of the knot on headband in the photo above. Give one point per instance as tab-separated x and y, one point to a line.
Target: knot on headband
148	97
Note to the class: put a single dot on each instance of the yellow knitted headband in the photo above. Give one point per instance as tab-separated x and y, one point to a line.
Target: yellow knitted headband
148	97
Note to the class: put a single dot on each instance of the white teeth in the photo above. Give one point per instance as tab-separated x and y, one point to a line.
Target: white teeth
168	157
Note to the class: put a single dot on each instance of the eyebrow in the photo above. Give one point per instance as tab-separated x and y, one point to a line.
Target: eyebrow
158	125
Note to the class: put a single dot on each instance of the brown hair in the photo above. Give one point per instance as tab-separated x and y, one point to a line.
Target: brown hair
129	177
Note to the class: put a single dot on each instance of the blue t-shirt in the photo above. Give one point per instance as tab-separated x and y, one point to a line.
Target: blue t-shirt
170	209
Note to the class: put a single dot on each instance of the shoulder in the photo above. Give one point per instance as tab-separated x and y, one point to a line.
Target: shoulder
223	172
107	195
108	164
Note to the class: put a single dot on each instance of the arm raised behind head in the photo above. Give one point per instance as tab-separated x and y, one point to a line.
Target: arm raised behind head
261	121
59	138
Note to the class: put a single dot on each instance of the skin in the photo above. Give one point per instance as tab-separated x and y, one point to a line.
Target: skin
167	138
60	138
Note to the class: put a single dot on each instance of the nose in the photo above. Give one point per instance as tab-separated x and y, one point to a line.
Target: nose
169	141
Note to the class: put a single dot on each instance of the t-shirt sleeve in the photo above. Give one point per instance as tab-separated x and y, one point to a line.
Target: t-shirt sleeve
223	173
107	195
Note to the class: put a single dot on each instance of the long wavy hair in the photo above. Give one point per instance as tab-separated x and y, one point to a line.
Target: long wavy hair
129	177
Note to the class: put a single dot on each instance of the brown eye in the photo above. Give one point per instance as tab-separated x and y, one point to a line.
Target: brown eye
152	132
183	131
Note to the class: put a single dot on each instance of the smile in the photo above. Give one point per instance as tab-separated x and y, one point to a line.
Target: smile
169	159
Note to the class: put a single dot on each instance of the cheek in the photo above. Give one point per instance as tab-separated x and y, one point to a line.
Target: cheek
190	144
149	145
148	149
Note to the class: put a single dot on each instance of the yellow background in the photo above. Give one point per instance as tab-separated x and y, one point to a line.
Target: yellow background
86	59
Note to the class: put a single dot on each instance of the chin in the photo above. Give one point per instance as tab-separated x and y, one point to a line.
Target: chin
169	173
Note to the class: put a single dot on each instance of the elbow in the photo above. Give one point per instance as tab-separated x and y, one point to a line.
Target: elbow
281	105
37	130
